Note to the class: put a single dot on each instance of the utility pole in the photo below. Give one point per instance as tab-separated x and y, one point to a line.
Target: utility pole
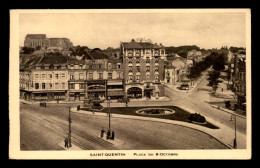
235	139
109	124
69	119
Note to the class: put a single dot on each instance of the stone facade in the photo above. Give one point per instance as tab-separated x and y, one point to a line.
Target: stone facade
143	69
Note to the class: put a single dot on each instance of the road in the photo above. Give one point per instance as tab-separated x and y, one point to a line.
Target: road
44	128
199	102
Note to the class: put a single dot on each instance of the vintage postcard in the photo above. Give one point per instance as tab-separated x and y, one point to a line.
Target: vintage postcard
130	84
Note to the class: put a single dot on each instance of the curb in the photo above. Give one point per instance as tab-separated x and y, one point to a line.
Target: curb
160	121
228	111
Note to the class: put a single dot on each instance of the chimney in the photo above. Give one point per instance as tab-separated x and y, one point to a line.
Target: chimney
133	40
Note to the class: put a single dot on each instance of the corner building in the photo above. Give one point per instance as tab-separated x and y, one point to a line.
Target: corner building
143	69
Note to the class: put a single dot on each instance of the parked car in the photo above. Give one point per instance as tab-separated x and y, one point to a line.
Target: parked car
184	86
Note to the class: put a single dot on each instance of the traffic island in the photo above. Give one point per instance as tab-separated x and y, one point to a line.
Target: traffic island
178	115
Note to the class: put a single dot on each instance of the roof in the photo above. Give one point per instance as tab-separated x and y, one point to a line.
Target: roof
53	60
76	62
139	45
36	36
96	55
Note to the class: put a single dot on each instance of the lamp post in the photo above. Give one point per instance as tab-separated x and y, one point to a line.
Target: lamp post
109	122
69	137
235	139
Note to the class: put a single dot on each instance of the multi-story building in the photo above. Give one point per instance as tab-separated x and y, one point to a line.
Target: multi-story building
143	69
175	70
46	79
77	75
240	83
104	76
35	40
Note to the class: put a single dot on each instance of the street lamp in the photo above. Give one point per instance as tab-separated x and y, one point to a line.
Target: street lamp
235	139
109	123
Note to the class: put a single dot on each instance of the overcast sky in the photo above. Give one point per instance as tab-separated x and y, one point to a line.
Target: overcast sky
206	30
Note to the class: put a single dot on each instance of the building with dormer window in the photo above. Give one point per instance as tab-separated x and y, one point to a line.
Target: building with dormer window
143	69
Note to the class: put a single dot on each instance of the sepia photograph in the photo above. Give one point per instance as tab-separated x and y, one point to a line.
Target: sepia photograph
130	84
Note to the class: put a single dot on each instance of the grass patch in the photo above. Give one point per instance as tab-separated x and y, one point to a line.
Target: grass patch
179	115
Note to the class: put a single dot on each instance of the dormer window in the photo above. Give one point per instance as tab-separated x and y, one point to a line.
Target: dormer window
130	52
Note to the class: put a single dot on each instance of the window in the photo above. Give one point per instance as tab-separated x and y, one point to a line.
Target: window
72	76
130	69
156	69
138	61
43	76
36	85
57	86
99	66
36	76
100	75
147	77
119	75
80	66
109	66
109	75
147	51
43	85
50	85
138	69
118	66
147	61
156	61
63	75
130	61
147	69
137	52
90	75
50	76
81	76
137	77
156	77
130	52
72	86
156	52
71	66
130	77
56	76
63	85
81	86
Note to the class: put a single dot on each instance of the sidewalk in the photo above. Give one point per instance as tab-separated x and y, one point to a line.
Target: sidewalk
223	134
228	111
73	146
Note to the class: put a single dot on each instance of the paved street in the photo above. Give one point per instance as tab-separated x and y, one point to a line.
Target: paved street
198	101
45	128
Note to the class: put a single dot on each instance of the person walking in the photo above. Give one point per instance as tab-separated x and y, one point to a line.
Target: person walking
113	135
102	133
66	143
108	134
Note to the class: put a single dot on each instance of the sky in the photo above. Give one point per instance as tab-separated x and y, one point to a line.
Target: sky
102	30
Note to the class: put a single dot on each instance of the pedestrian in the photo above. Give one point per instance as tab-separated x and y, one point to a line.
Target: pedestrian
102	133
66	143
113	135
108	134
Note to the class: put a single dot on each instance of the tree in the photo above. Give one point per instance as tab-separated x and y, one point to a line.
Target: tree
28	50
38	47
213	80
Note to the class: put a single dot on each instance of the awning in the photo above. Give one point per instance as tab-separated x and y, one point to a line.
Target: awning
114	83
115	93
